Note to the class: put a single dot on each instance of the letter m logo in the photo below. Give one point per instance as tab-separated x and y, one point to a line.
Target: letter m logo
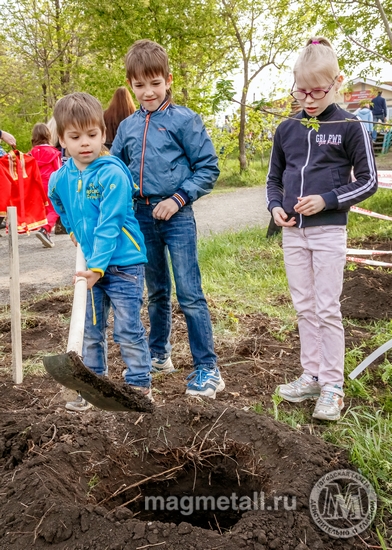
343	505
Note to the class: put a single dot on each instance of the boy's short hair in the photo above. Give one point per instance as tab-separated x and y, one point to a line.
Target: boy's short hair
41	135
146	58
80	110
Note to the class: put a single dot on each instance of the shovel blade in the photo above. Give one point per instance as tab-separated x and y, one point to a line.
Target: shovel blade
69	370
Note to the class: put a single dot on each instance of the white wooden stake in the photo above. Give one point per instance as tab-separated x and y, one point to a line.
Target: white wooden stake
16	330
76	328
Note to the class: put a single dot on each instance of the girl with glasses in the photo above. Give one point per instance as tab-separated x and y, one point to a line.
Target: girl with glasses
310	189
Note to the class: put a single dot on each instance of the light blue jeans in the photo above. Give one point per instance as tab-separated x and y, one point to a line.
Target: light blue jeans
122	289
177	238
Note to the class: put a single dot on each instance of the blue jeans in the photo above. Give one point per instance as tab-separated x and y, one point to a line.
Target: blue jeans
122	288
176	237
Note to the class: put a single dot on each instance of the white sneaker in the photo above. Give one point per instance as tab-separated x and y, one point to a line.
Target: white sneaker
328	405
305	387
162	365
79	405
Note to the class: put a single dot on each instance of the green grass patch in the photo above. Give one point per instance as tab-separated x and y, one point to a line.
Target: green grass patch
230	176
244	273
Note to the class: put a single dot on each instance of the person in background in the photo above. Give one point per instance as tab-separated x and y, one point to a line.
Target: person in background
121	107
379	108
173	162
309	192
48	160
365	114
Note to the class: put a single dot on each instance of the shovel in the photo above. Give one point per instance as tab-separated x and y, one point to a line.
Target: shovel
68	368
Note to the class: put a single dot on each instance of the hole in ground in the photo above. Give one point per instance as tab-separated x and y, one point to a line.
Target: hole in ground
211	497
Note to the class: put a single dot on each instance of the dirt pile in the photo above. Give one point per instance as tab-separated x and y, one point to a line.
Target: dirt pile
128	481
73	481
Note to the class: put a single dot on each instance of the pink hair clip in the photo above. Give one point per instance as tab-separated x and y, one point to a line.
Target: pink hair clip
315	42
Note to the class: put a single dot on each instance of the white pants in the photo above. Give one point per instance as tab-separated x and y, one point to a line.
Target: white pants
315	258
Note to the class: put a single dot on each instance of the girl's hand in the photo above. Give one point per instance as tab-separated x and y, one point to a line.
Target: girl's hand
91	276
307	206
280	217
164	210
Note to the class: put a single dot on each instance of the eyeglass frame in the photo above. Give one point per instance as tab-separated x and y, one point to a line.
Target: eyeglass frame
314	90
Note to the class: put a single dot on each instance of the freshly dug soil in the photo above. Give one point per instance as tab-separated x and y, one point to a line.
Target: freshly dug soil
79	481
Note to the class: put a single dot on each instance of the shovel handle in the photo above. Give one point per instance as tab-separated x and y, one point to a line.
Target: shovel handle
76	327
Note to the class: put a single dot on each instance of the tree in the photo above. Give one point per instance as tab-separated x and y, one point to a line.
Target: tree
46	37
266	32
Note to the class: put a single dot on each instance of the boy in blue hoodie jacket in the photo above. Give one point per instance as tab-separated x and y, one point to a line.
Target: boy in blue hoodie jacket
93	196
172	160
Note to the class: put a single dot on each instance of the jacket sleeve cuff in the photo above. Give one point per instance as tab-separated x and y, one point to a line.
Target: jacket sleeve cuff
180	198
331	200
274	204
97	270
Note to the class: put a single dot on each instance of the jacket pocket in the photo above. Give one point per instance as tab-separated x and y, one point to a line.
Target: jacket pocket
134	242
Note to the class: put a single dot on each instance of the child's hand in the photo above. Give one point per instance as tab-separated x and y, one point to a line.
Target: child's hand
280	217
91	276
164	210
309	205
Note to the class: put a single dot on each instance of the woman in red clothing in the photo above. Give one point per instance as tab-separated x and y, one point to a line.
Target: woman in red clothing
48	160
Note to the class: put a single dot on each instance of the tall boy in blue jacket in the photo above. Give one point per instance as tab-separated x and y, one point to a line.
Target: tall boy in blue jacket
93	196
173	162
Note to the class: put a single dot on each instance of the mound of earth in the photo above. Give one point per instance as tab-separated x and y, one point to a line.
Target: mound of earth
83	481
74	481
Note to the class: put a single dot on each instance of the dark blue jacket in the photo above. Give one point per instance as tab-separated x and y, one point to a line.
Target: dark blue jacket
309	162
379	107
167	151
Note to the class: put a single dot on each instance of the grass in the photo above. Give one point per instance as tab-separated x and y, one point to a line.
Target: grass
244	273
230	176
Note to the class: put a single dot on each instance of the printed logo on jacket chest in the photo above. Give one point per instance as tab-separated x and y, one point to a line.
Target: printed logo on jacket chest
93	192
329	139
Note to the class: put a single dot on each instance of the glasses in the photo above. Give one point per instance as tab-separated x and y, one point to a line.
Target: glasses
315	94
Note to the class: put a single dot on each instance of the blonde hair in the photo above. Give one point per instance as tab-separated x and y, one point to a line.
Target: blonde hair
80	110
317	62
146	58
51	124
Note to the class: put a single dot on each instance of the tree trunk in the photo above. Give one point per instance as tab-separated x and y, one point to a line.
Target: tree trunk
241	135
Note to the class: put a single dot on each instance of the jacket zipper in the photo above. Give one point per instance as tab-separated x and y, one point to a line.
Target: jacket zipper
143	153
303	175
131	238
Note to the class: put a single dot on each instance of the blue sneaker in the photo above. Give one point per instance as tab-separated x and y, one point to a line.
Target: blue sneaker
162	365
205	382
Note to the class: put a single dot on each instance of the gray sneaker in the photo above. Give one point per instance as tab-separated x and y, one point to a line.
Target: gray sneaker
328	405
79	405
305	387
162	365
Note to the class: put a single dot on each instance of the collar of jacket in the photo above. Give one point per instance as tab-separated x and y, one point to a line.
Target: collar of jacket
325	115
162	107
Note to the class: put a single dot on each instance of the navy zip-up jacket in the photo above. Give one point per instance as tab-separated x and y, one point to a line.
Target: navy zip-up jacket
309	162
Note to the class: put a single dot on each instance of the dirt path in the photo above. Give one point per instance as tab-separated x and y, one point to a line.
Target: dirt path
42	269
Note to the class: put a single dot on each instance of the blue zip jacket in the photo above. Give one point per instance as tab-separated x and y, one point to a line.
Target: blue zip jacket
309	162
96	205
168	151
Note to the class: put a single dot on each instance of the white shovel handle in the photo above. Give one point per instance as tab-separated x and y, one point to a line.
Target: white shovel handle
76	327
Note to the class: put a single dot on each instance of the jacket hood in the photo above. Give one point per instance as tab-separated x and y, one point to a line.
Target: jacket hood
44	154
364	111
